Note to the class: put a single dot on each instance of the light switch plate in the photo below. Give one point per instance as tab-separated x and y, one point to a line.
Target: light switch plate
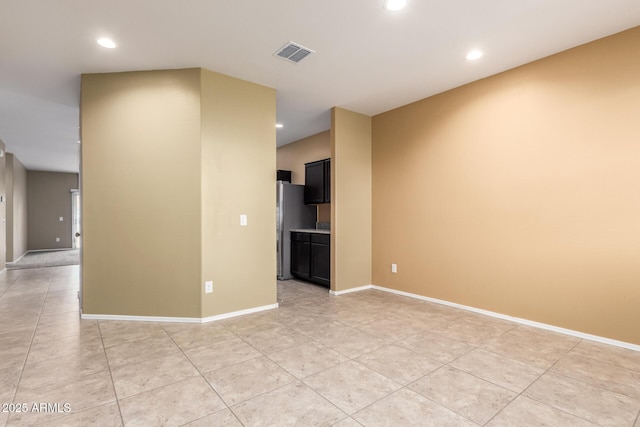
208	287
243	220
394	268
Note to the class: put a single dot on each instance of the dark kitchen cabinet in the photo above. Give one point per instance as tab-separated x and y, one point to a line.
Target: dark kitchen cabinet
300	255
320	271
317	182
311	257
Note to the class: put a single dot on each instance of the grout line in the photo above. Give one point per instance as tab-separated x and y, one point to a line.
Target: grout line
113	384
15	393
522	393
202	375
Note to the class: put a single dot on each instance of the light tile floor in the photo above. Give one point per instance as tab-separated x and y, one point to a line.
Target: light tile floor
367	358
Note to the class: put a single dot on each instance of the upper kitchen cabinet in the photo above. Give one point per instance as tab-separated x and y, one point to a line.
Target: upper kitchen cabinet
317	182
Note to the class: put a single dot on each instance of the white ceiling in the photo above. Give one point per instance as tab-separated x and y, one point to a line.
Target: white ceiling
368	60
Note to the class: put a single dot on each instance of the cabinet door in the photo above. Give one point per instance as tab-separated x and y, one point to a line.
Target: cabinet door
327	181
300	258
320	264
314	183
321	259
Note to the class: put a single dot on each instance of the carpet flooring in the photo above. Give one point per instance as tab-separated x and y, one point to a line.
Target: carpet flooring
46	259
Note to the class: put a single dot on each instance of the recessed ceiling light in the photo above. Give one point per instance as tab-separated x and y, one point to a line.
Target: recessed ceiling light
106	42
279	125
474	54
394	5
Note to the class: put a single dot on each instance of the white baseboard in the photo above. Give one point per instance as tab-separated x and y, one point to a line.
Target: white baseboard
348	291
139	318
239	313
176	319
526	322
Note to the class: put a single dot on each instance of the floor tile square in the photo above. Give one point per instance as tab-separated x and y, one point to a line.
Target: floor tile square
352	342
242	381
510	374
135	378
307	359
291	405
191	336
469	396
221	354
436	346
623	357
599	373
175	404
272	339
586	401
399	364
525	412
407	408
532	346
351	386
130	352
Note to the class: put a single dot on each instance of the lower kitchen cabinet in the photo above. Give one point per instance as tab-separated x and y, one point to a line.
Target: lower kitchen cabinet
300	255
311	257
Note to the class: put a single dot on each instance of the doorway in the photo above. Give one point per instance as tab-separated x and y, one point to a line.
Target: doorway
76	238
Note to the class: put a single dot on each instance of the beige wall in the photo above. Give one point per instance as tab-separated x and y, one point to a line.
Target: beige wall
48	199
351	200
520	193
170	160
238	177
141	182
293	156
16	208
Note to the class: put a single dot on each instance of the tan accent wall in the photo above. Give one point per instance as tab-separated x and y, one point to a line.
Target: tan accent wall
350	200
16	208
520	193
48	198
293	156
141	189
238	177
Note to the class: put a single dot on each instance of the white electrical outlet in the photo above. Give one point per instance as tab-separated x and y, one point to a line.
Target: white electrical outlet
208	287
57	239
394	268
243	220
61	219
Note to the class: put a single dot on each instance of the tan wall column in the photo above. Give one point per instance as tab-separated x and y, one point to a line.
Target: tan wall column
350	200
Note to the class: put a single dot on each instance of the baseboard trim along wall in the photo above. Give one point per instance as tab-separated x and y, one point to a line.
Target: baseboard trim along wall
526	322
239	313
348	291
177	319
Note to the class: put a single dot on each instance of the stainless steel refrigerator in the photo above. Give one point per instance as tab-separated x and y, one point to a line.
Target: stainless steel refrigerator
291	213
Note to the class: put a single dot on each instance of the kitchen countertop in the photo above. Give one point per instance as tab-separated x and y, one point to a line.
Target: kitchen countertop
310	230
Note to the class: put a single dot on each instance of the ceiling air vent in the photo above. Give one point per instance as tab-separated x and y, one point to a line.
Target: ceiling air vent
293	52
